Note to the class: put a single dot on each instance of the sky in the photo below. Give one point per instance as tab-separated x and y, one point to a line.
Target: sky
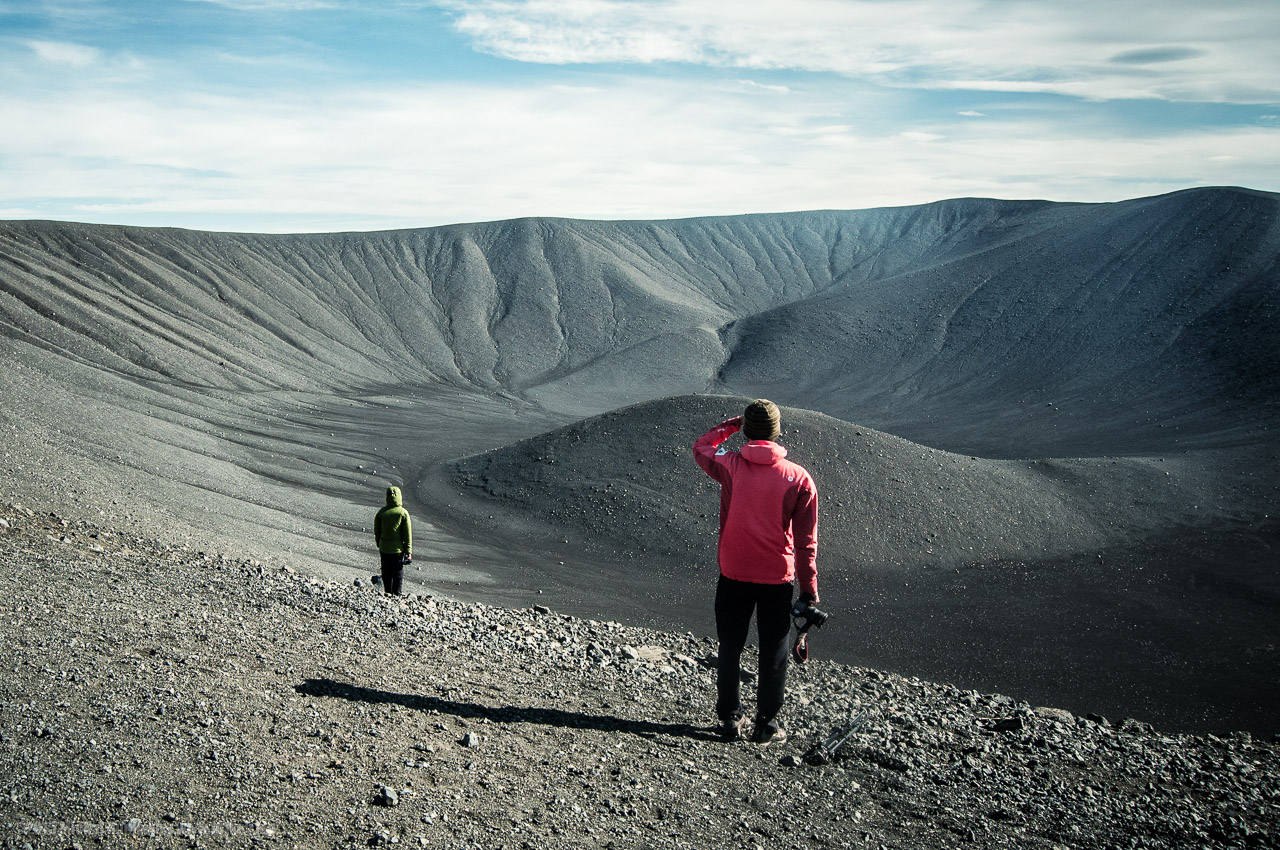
329	115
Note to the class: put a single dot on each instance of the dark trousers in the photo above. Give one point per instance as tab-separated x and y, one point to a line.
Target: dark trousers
392	572
735	601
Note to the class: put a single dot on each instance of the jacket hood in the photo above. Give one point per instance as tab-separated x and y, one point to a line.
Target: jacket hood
393	497
763	451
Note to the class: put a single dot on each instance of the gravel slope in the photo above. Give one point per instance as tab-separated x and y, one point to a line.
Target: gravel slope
1053	474
160	696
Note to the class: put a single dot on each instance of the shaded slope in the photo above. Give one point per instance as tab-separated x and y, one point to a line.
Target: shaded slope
1143	585
626	479
1082	330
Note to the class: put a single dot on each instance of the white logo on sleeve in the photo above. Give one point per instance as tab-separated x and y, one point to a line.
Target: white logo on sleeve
722	452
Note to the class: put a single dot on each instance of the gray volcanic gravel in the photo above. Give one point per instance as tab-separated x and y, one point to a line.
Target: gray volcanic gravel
158	695
1044	435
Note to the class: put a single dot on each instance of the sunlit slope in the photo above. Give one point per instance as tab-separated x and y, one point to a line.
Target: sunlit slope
967	309
506	306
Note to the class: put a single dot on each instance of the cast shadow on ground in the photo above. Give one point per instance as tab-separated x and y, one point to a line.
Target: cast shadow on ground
503	714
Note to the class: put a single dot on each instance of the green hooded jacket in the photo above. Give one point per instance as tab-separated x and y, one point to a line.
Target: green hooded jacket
392	530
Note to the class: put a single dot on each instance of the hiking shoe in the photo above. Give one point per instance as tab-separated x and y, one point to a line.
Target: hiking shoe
733	729
766	735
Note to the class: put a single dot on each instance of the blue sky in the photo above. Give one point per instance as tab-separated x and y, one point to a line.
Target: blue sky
321	115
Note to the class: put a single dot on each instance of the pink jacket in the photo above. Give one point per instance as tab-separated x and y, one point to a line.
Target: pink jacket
768	510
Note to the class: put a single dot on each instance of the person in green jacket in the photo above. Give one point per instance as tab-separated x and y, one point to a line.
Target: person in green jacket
393	532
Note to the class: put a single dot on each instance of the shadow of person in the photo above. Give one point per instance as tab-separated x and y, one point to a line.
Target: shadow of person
502	714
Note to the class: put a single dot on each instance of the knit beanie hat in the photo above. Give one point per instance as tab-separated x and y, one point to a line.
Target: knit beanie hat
760	421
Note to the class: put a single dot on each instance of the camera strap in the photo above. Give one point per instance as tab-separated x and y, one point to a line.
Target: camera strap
800	652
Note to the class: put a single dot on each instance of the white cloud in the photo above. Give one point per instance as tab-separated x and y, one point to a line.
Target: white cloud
445	153
762	88
64	53
1099	49
582	90
99	134
917	136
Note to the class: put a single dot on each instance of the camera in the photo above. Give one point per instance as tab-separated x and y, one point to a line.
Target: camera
807	616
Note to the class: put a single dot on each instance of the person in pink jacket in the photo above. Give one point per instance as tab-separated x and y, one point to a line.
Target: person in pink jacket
768	544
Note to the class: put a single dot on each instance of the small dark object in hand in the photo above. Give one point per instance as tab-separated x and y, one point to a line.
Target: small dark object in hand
804	611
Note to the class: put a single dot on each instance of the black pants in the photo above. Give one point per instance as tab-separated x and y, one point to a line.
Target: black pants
735	601
392	572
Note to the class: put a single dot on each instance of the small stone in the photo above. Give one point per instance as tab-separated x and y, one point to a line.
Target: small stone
790	761
1059	714
131	826
387	797
471	739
